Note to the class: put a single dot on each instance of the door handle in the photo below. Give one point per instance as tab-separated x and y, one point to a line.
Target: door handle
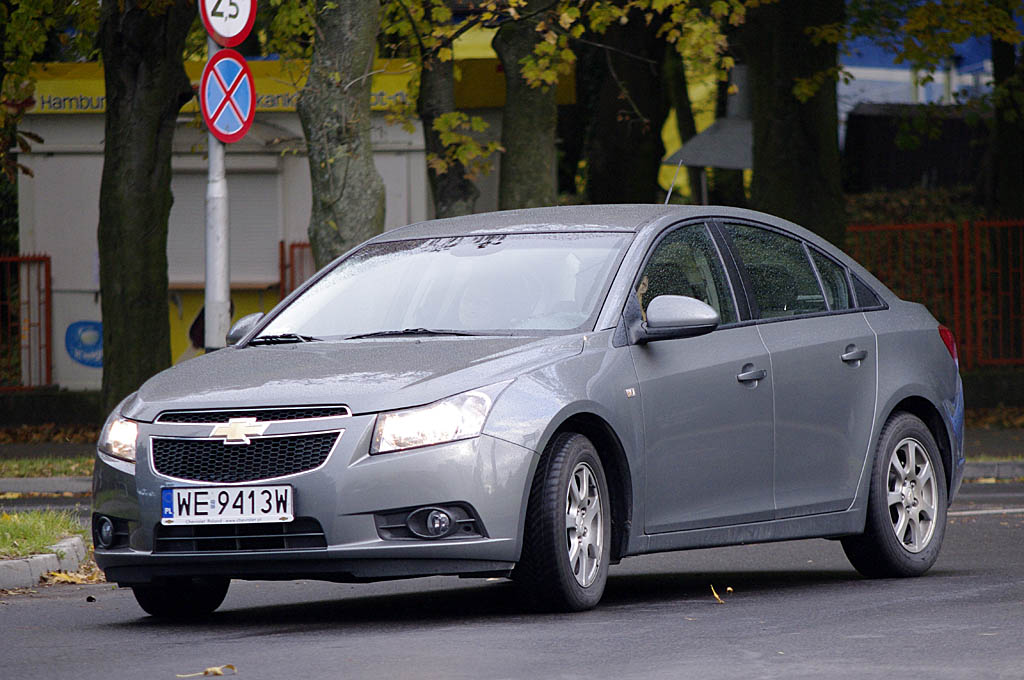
750	374
853	355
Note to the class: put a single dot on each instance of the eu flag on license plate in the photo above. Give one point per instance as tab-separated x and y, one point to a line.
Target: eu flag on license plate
167	497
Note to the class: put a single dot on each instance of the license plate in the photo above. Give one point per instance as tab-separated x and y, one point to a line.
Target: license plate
226	504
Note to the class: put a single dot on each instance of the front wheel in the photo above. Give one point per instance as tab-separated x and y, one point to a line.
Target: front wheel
567	543
182	598
906	516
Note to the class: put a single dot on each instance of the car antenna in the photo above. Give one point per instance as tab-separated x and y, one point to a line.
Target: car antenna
673	185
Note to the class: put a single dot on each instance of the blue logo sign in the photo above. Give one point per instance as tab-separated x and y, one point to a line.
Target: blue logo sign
84	342
167	496
228	96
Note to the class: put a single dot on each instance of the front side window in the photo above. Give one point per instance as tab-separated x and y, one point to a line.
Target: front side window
686	263
495	284
779	272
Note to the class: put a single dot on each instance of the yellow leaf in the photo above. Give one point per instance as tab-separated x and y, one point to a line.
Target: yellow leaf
64	577
445	54
720	600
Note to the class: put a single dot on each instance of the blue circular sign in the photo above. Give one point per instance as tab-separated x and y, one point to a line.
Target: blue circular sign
227	96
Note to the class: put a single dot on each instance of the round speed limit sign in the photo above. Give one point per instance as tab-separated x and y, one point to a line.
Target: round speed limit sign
228	21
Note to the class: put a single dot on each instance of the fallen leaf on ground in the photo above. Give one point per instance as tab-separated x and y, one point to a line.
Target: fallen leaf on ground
720	600
65	577
212	670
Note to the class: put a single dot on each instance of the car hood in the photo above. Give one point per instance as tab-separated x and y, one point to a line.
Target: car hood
367	376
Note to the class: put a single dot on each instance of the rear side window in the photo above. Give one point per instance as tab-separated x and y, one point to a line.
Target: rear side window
865	296
833	280
780	275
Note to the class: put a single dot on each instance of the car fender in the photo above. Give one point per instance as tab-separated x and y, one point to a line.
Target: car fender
601	383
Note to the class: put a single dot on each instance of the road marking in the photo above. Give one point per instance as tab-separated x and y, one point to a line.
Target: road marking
998	511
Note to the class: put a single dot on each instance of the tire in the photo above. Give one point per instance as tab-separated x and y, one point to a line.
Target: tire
182	599
564	566
906	515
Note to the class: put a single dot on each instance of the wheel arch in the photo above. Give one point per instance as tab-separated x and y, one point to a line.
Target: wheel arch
616	468
930	416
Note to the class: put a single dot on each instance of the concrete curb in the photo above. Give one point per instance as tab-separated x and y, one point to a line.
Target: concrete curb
78	485
25	572
1000	469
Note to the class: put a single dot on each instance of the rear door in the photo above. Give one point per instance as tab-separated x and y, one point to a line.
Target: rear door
823	362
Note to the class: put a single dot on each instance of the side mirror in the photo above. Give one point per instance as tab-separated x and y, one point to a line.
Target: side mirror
242	327
674	316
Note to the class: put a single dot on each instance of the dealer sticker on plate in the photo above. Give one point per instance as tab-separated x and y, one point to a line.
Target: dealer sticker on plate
226	504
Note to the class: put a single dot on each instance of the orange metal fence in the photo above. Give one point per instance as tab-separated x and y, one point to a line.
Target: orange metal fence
970	275
26	354
996	296
296	265
919	262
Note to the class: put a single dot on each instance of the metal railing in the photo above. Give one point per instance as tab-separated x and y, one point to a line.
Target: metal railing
970	275
297	265
26	353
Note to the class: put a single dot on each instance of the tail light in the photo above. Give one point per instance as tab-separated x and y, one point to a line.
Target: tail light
950	342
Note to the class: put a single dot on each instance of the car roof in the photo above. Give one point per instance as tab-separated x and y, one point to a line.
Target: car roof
629	218
569	218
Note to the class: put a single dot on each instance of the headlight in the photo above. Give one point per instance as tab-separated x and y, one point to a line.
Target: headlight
448	420
118	438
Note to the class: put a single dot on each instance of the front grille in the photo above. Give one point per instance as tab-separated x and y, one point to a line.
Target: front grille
211	460
260	414
305	533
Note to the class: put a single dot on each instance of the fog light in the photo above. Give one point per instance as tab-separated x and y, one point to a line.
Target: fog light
104	532
439	523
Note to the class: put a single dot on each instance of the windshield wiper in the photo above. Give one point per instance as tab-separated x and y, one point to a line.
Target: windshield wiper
282	339
413	331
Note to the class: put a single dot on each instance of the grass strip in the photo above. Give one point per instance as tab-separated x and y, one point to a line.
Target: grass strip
79	466
33	531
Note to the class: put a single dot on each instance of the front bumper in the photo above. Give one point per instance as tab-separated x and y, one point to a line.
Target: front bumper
347	496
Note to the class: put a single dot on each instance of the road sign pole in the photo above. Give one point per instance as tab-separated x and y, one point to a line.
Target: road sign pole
218	274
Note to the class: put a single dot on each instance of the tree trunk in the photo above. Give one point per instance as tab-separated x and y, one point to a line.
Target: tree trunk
454	193
796	146
1006	195
146	86
334	107
529	118
686	124
624	149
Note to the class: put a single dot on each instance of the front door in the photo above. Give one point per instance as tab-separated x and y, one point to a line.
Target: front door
707	409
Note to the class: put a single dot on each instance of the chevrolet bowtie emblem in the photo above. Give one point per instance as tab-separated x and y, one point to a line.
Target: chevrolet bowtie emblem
238	430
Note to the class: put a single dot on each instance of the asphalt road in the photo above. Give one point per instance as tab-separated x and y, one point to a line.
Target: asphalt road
796	610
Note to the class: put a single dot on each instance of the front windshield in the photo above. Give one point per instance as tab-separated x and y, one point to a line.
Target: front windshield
496	284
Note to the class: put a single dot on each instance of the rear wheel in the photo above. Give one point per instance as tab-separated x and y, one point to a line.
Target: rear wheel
567	543
182	598
906	517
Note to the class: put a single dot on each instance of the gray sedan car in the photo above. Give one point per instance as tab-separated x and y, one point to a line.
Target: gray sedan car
539	394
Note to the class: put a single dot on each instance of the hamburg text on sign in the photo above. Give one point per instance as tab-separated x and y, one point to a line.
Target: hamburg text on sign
227	96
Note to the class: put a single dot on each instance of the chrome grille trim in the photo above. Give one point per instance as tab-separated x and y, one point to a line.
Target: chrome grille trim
262	414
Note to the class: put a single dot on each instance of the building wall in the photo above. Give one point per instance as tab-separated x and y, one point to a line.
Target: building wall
269	203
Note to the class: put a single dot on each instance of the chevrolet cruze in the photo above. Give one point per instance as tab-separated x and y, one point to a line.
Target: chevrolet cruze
539	394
